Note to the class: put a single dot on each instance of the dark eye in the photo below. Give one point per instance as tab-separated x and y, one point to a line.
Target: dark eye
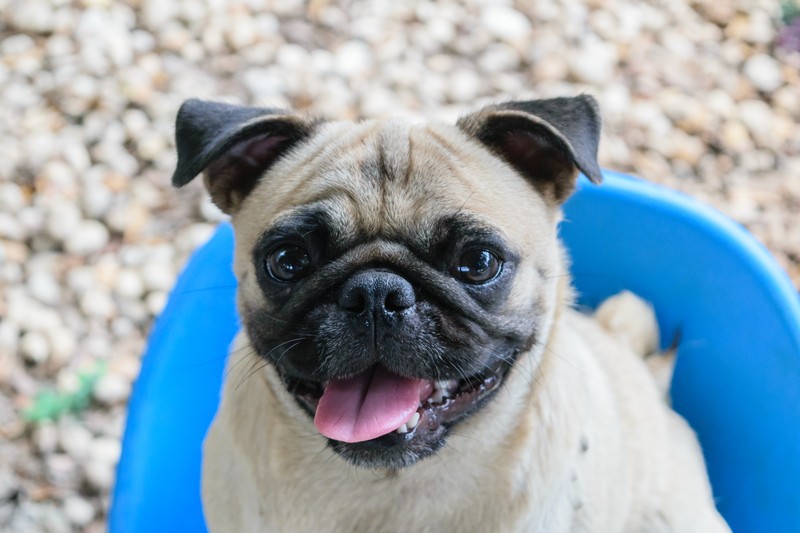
288	263
477	266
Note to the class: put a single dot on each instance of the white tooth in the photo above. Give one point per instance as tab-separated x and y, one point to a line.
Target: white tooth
442	385
413	421
437	396
402	429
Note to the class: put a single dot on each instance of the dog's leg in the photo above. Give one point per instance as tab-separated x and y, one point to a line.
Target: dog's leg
633	321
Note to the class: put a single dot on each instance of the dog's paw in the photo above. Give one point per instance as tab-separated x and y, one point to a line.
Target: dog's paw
631	320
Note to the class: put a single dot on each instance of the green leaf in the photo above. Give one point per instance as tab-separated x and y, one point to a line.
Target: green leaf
50	404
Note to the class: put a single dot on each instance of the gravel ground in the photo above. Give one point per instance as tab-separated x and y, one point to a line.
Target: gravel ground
695	95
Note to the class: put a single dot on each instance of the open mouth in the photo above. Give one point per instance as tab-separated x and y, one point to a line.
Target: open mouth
378	409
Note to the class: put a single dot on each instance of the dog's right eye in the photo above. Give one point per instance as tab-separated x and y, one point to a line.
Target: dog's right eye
288	262
477	267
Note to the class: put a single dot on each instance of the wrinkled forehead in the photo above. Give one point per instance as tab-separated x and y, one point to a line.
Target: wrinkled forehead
391	178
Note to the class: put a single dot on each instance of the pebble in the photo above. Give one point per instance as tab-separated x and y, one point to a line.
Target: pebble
129	284
112	389
96	302
33	16
12	199
157	275
43	286
100	467
352	58
34	347
79	511
63	220
75	439
89	237
505	23
61	469
45	438
764	72
594	63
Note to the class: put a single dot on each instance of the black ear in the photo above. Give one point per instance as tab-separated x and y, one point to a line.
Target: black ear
547	141
233	144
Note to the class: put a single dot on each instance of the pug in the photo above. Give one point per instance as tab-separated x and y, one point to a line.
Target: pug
409	358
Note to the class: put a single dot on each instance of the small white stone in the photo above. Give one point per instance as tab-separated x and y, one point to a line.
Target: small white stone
764	72
11	228
756	116
34	16
129	284
97	303
136	123
29	314
464	85
112	389
63	220
44	287
499	58
105	450
62	344
378	102
158	275
76	154
353	58
505	23
156	13
241	31
122	327
80	279
61	470
59	176
99	475
15	45
151	145
11	198
594	63
32	220
9	338
155	302
79	511
75	439
34	347
89	237
193	237
96	200
45	438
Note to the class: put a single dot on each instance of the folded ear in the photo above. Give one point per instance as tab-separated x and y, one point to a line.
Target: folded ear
234	145
547	141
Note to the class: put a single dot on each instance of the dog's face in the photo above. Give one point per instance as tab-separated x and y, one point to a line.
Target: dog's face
392	274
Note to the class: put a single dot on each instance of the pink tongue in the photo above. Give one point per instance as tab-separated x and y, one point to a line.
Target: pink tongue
366	406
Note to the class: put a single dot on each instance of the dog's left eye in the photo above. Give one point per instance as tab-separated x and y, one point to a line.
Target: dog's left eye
288	263
477	266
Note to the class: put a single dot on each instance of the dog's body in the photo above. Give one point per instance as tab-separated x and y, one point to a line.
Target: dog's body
409	260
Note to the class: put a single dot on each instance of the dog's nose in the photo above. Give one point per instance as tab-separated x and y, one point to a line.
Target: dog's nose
374	292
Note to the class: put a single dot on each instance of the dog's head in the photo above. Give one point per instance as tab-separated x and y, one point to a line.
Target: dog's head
392	274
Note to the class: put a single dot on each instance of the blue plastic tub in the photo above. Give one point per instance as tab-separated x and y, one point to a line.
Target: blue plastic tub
737	379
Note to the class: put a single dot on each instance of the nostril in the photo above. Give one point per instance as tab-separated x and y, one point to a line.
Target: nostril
400	298
353	299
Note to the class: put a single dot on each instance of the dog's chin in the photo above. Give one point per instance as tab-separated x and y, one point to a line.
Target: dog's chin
451	402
